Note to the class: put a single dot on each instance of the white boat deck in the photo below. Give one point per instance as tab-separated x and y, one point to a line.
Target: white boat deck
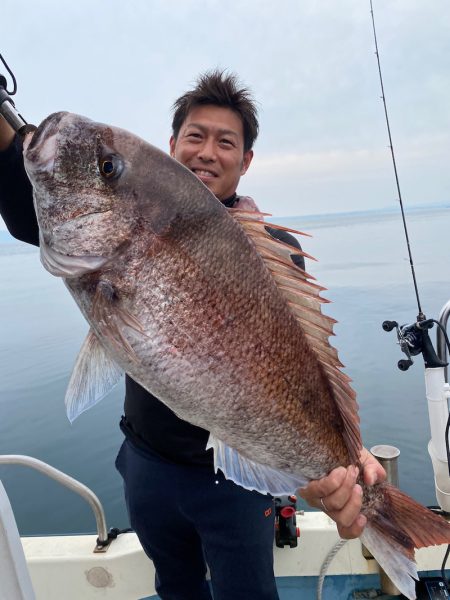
66	566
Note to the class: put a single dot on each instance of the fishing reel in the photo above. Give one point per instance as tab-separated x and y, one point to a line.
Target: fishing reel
7	107
413	340
286	530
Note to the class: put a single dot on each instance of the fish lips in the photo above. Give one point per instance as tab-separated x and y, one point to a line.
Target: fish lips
69	266
40	147
49	127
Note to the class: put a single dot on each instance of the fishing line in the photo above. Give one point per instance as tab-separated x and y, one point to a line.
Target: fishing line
421	316
11	93
444	577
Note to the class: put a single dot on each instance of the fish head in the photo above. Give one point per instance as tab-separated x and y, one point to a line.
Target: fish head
82	202
93	184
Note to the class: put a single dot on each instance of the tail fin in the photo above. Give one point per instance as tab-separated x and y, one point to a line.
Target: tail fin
397	525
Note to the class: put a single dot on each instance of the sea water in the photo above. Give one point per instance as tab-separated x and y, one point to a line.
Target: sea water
363	262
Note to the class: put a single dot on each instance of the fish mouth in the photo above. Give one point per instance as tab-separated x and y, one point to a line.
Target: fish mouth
49	126
40	146
66	265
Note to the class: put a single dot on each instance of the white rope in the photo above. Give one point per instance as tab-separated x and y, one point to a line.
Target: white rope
326	563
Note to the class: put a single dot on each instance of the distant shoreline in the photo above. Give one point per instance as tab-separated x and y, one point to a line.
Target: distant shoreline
395	208
324	219
355	216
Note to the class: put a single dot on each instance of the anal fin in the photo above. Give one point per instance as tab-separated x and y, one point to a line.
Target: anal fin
252	475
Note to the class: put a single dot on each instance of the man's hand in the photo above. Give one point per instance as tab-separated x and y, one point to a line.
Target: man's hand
339	493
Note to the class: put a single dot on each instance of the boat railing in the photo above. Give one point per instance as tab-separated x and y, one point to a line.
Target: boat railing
70	483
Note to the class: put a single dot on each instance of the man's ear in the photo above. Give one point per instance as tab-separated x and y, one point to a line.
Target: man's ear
248	156
172	144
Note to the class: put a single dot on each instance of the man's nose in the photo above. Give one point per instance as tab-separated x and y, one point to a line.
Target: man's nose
208	150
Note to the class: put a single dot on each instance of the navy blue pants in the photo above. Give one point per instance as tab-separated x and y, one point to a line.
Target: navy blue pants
184	515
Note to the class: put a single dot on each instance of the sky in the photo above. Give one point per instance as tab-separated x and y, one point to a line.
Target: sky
311	65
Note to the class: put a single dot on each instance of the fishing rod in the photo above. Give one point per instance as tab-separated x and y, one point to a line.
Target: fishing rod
412	338
7	106
420	316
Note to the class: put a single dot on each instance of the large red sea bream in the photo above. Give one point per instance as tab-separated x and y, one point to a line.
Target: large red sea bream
205	310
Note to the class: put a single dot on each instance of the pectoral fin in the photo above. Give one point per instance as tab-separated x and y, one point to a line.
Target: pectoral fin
93	376
252	475
112	320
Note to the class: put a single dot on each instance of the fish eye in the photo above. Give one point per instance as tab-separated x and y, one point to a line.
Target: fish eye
110	166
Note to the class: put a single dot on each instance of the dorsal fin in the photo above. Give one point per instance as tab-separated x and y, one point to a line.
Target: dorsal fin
304	300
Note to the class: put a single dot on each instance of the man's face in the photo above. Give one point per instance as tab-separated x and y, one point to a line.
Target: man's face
211	144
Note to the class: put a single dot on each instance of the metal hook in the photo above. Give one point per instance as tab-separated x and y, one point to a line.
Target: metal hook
12	77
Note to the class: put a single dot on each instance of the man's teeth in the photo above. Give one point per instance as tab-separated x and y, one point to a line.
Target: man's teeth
203	173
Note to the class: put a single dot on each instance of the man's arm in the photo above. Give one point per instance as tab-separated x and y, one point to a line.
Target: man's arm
16	194
6	134
287	238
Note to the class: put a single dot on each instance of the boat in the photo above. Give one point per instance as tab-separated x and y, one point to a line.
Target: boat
311	561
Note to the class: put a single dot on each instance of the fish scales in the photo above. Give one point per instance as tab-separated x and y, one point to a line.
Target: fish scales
228	363
206	311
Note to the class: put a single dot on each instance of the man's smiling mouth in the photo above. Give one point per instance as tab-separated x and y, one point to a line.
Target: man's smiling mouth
204	173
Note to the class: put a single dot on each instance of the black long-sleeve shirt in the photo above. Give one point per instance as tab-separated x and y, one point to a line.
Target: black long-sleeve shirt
148	422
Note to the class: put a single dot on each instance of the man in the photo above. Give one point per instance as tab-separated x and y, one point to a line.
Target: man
181	510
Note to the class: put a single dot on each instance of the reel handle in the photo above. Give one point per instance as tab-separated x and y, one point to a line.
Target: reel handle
389	325
404	364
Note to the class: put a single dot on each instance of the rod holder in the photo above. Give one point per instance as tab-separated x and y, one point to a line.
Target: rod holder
387	456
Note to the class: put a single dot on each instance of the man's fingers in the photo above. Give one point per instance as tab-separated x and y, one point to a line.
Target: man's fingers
342	494
321	488
341	497
344	505
354	530
346	515
373	472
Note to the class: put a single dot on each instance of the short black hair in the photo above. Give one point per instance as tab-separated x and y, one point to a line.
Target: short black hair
219	88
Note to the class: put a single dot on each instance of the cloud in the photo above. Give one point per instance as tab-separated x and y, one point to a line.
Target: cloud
334	164
310	64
